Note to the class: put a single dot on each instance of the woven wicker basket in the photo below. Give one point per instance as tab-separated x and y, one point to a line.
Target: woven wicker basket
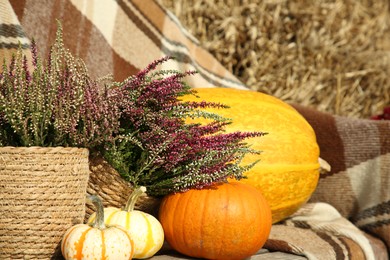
42	194
114	191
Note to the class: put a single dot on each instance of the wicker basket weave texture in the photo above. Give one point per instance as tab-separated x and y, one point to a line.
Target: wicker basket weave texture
114	191
42	194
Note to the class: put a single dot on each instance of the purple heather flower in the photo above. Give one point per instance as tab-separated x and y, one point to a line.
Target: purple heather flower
54	103
34	53
172	155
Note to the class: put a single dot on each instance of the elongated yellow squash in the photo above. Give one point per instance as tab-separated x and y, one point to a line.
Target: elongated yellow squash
288	171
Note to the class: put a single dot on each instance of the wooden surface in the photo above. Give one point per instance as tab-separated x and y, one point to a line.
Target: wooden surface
261	255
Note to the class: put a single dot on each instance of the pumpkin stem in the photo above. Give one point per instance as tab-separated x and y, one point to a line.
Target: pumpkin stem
133	198
99	219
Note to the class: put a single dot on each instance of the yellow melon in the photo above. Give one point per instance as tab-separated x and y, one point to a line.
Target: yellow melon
288	171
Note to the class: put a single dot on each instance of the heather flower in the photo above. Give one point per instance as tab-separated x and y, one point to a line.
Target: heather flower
54	103
156	148
138	125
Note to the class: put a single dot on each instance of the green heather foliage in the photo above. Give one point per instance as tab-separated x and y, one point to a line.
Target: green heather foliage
138	125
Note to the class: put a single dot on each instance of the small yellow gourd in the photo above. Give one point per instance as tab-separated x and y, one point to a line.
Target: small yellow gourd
145	230
97	241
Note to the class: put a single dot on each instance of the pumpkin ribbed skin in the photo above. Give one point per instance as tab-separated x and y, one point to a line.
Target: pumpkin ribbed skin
145	230
288	171
85	242
228	221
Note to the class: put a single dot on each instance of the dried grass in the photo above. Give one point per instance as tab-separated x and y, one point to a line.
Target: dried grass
333	55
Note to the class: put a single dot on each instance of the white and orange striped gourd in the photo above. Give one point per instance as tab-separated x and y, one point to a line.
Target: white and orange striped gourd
97	241
145	230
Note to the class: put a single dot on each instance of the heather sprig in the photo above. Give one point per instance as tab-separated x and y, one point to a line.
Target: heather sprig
156	148
54	102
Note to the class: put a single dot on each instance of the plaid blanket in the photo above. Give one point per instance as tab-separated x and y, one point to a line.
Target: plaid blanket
348	216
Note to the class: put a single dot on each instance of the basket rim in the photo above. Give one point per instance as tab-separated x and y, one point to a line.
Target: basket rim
40	149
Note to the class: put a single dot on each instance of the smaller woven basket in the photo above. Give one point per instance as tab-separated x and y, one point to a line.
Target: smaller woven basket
42	194
114	191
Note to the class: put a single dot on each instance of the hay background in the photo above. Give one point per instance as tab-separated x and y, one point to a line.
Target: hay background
332	55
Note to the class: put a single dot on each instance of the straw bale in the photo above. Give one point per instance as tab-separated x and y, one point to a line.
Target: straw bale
333	55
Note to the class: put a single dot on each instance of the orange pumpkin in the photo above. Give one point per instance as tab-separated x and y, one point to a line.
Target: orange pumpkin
288	171
227	221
